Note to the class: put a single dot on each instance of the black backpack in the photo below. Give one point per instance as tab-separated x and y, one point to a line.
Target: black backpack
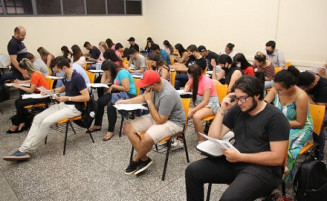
4	93
88	113
310	181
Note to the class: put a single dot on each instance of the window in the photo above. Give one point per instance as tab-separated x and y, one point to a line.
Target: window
70	7
73	7
133	7
115	7
19	7
48	7
96	7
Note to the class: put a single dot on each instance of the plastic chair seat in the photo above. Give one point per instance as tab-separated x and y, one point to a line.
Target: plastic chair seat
306	148
35	106
209	118
69	119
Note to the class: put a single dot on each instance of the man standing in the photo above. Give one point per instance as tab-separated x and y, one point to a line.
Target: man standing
162	53
94	51
208	56
274	55
166	118
71	105
261	133
316	88
131	41
17	51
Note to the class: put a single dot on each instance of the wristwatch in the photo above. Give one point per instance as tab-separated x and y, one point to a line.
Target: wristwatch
69	98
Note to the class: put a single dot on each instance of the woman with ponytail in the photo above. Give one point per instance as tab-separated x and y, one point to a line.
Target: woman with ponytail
204	101
294	103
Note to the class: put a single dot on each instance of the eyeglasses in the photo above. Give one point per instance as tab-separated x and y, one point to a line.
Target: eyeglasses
241	99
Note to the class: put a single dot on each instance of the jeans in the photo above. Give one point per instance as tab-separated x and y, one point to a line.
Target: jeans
247	181
320	139
11	76
180	81
42	122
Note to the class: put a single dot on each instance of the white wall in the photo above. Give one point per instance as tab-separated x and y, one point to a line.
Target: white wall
53	32
298	26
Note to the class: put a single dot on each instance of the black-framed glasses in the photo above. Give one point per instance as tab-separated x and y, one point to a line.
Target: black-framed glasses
240	99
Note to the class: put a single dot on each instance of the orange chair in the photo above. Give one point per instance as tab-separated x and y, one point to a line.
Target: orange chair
41	105
91	76
277	69
173	77
167	140
149	65
50	82
137	89
287	64
317	114
172	60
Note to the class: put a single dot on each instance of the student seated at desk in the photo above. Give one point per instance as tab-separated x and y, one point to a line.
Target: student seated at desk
71	105
265	66
111	55
78	56
37	80
39	64
46	56
294	103
137	61
182	54
159	65
241	62
229	71
66	52
119	50
102	47
122	88
204	102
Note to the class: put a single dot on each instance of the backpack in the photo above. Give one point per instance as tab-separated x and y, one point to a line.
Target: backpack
4	93
310	181
88	113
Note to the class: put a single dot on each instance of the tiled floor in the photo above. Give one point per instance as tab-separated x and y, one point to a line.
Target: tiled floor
88	171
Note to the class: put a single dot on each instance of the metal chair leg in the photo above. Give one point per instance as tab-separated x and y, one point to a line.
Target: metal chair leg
71	125
46	140
91	136
121	126
166	161
66	133
209	191
132	153
185	148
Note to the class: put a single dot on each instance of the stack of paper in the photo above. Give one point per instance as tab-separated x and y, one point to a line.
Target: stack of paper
130	107
97	85
182	92
12	84
55	77
47	92
34	96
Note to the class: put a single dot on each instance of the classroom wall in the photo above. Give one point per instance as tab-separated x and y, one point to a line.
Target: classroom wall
298	26
53	32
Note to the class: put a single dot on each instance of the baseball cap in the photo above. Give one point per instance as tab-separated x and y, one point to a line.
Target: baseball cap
149	77
201	48
131	39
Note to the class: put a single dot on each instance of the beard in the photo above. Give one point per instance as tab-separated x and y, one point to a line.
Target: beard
254	105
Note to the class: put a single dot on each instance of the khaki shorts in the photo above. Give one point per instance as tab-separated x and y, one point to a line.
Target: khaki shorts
156	131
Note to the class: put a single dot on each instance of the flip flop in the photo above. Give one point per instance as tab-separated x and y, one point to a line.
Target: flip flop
107	139
95	130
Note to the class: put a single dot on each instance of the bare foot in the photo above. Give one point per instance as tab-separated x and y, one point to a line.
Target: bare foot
13	128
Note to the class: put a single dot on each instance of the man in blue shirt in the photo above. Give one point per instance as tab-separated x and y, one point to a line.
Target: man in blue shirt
94	51
162	53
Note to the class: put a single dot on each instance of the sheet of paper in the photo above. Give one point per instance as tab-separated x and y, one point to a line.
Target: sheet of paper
55	77
211	148
96	71
182	92
34	96
209	72
12	84
97	85
220	143
47	92
130	107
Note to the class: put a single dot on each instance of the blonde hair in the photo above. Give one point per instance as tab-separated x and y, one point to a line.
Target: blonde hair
27	65
43	52
104	45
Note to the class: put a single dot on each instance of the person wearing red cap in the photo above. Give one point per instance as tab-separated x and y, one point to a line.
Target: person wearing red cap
167	117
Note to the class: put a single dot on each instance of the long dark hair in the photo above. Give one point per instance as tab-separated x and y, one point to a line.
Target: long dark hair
109	42
170	47
239	57
110	54
66	51
77	52
180	49
287	77
112	67
196	72
159	60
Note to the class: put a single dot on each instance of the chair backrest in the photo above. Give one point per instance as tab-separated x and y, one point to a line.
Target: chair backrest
91	76
172	60
318	114
50	71
85	66
205	70
221	91
137	89
149	65
277	69
288	63
50	82
125	64
173	77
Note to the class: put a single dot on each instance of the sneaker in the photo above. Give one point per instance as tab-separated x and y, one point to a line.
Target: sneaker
143	166
177	144
132	167
17	156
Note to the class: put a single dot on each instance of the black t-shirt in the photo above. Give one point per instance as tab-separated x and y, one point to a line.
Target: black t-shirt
192	60
95	53
253	133
229	73
135	46
17	47
73	88
319	92
211	55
